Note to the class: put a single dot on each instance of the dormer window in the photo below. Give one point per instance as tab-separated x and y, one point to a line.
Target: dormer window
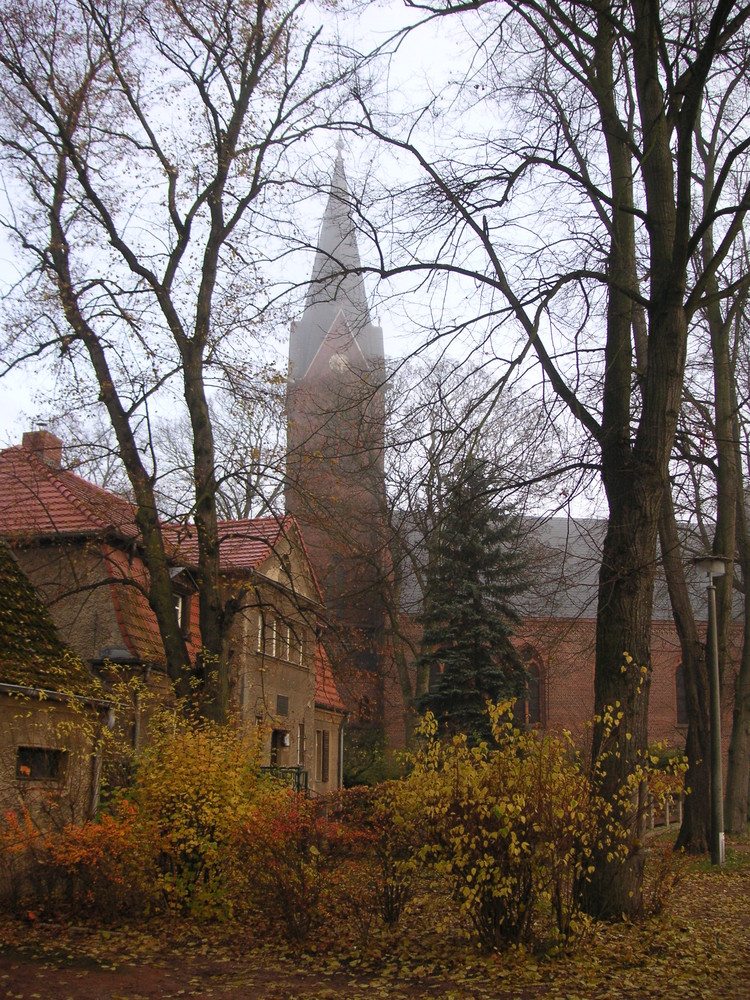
182	610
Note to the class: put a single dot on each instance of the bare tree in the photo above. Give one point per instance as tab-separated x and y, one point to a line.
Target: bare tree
146	141
596	107
249	437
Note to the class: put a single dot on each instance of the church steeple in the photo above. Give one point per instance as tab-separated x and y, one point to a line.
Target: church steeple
336	286
335	483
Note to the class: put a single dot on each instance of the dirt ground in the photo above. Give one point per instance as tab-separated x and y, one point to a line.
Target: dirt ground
62	978
697	949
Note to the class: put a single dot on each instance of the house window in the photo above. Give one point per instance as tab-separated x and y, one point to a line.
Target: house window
301	745
282	640
279	742
40	764
322	755
282	704
182	610
271	645
681	696
295	645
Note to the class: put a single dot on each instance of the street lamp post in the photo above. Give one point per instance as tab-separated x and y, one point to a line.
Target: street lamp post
714	566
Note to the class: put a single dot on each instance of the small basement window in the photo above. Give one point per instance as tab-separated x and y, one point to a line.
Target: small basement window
40	764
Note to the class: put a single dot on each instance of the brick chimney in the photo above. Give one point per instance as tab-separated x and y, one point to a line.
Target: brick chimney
45	445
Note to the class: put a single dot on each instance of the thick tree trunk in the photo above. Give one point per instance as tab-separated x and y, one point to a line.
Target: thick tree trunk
695	831
738	773
213	610
622	683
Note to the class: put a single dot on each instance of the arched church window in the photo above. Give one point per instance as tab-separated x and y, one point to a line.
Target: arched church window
436	672
534	695
529	709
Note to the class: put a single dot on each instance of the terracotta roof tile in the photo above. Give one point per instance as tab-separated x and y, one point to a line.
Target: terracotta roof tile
40	499
326	692
137	621
243	544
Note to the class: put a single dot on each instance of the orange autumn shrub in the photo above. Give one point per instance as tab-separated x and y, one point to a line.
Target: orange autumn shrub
107	866
286	853
26	875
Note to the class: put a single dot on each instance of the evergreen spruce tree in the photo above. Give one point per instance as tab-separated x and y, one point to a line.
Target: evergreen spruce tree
473	572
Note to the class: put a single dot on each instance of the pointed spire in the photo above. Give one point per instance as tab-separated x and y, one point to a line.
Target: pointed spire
336	284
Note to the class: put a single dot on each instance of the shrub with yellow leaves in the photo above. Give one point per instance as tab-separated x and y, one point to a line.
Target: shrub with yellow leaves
516	826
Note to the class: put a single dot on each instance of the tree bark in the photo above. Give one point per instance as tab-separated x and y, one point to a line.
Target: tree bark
695	831
738	772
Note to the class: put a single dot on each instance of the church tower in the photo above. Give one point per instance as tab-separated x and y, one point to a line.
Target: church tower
335	441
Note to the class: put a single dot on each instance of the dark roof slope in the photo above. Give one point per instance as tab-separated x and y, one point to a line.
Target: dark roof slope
563	557
31	652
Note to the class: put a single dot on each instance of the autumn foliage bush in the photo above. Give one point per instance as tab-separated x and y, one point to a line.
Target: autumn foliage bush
104	867
515	825
498	838
285	850
384	837
162	843
193	786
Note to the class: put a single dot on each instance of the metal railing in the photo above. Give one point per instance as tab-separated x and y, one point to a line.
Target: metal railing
666	815
295	777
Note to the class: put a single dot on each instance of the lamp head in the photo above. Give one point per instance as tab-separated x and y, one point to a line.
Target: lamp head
712	566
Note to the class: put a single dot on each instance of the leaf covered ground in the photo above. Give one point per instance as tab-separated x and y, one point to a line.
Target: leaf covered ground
698	947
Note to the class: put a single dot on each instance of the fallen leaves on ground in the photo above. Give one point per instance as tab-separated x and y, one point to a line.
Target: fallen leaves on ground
698	947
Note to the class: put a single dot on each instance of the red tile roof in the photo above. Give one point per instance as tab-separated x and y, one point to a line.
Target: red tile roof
243	544
326	692
127	586
42	499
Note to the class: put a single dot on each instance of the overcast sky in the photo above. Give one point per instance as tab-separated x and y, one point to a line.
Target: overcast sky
23	392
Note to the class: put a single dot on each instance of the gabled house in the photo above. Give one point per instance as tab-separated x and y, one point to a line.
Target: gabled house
79	546
281	678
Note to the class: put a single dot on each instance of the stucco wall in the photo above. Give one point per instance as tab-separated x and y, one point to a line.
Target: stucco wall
72	581
30	723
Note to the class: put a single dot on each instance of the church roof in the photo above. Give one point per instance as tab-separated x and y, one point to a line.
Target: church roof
336	285
563	558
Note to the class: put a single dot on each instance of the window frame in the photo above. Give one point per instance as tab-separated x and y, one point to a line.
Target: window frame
44	771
